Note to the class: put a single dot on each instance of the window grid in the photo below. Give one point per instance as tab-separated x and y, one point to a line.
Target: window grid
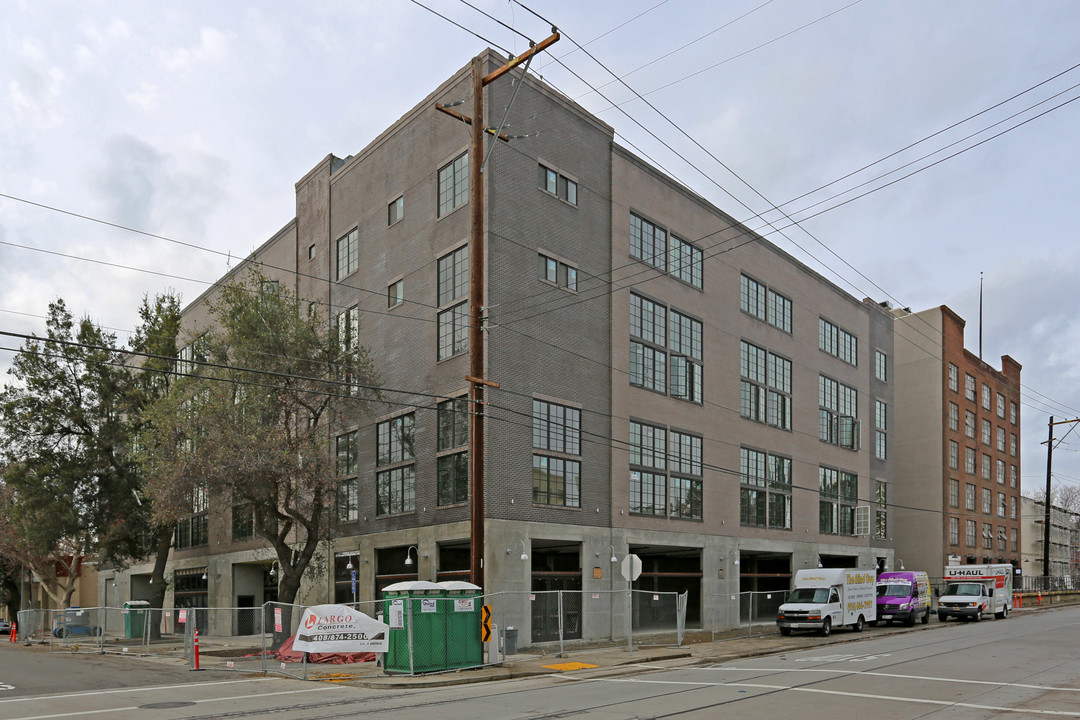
348	254
454	184
838	342
648	242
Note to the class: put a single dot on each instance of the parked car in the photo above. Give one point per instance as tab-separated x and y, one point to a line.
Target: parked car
5	626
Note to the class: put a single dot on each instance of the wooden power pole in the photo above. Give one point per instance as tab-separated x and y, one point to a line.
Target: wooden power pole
477	293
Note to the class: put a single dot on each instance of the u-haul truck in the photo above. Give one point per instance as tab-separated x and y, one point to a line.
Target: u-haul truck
827	598
972	591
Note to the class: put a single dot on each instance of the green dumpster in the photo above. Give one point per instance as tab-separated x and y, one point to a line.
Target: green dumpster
135	612
412	610
464	612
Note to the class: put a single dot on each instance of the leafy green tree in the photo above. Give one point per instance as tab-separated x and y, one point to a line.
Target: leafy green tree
154	345
67	481
254	426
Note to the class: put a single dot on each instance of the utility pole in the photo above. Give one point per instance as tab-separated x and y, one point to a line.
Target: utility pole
477	295
1046	501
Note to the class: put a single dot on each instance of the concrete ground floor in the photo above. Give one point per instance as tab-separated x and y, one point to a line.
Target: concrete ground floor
548	582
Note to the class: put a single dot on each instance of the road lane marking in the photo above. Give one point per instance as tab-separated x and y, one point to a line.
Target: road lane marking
118	691
841	693
894	676
78	713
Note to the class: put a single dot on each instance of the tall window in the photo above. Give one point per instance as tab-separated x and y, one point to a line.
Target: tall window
765	495
881	369
969	388
243	521
838	492
838	413
954	378
764	303
954	455
838	342
194	531
1001	406
454	184
970	531
686	367
954	531
686	484
987	502
1012	412
453	271
648	465
396	486
648	333
395	440
986	432
685	261
348	254
986	395
954	493
954	417
969	424
765	388
348	483
556	478
453	451
969	461
969	497
648	242
880	419
988	536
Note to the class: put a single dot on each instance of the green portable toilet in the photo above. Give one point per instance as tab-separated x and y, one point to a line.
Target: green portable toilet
417	604
463	607
135	618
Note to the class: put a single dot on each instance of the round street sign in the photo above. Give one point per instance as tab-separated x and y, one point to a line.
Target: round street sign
631	567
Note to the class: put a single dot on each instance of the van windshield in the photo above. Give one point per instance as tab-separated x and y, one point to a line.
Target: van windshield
894	589
809	595
963	589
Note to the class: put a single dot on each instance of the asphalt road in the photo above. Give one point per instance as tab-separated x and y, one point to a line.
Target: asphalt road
1024	667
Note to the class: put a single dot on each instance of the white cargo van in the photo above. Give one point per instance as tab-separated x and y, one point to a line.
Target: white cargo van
972	591
827	598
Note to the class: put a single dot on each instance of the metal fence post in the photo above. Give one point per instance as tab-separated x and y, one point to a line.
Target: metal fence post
408	630
629	617
561	623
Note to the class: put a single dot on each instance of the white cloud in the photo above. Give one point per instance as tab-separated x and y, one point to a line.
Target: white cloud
213	45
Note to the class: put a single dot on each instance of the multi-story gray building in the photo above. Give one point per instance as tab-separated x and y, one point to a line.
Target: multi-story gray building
670	384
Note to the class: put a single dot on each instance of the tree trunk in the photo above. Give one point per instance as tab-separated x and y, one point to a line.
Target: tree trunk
158	586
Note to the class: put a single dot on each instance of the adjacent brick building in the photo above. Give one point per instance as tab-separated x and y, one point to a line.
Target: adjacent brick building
957	443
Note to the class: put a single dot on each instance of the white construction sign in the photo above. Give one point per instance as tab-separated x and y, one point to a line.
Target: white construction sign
340	629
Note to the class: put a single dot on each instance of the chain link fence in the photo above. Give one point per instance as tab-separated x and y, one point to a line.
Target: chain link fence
441	632
753	608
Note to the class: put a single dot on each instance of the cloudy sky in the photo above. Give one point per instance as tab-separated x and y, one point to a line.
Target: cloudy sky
918	143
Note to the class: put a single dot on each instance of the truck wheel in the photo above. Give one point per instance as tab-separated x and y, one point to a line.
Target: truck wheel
859	624
785	631
978	615
910	621
926	616
826	627
942	616
1003	614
